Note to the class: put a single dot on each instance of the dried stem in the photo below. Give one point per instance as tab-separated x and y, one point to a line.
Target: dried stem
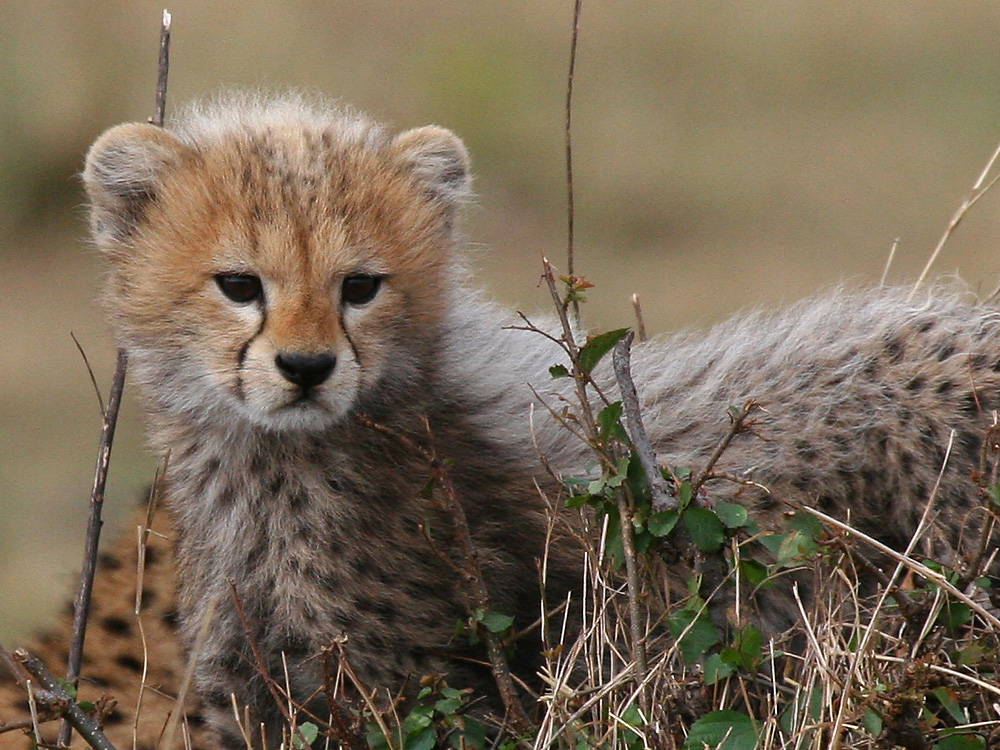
662	499
90	372
81	606
737	426
569	149
977	192
81	609
55	698
345	729
640	321
632	578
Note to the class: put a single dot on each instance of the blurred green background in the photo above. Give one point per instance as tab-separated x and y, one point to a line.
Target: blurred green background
728	154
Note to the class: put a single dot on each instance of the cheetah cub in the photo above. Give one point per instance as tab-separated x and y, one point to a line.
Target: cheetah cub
286	280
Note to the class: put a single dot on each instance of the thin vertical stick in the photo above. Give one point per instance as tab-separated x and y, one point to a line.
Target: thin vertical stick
977	192
569	151
81	606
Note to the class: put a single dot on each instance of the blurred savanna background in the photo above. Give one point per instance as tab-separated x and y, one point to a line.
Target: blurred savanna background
728	154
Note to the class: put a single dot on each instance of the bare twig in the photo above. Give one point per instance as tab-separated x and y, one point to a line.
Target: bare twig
735	428
90	372
640	321
81	608
163	68
569	149
55	698
345	730
977	192
662	499
888	262
632	576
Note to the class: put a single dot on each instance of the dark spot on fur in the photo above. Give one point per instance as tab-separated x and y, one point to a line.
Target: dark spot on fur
895	348
276	485
925	326
916	384
970	404
298	501
152	556
169	618
107	561
147	598
944	388
226	497
116	625
114	717
129	662
945	352
217	699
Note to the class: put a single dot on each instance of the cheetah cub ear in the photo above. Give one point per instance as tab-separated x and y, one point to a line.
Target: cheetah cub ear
439	159
123	172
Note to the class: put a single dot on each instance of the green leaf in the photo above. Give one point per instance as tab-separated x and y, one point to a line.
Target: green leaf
795	546
960	742
872	722
425	739
949	700
753	572
662	523
684	493
632	717
705	528
732	515
806	523
747	649
597	346
68	686
736	729
609	420
972	654
954	615
470	734
716	669
305	736
559	371
496	622
701	636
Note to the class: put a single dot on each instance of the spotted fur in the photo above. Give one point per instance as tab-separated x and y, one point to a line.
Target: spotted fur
116	656
301	510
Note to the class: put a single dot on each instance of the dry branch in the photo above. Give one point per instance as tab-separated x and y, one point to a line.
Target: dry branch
54	697
81	606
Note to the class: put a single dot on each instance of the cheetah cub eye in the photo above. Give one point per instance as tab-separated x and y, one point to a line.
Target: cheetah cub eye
360	289
240	287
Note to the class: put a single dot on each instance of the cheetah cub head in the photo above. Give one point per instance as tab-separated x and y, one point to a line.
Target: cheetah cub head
276	261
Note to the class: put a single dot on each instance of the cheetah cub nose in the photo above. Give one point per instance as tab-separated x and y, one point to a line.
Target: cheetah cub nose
305	370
